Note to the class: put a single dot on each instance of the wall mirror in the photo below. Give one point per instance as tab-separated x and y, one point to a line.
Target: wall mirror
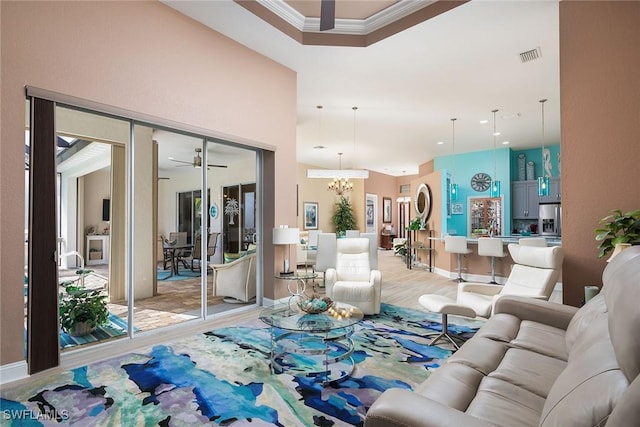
423	202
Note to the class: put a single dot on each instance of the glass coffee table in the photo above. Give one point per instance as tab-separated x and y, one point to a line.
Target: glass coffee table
314	345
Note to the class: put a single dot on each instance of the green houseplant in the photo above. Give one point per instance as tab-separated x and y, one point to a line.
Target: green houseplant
618	228
81	310
343	217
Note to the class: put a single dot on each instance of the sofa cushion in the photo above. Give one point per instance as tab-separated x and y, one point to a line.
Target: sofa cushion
453	385
543	339
585	393
594	308
500	327
482	354
529	370
505	404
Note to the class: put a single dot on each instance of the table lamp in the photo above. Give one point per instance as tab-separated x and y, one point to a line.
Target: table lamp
284	235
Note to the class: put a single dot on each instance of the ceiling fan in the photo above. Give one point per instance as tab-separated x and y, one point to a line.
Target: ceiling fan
327	14
197	161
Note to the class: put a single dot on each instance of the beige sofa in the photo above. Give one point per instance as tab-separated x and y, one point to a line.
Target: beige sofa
536	363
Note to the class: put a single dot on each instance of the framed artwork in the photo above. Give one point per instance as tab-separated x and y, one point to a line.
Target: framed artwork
456	208
310	215
371	213
386	209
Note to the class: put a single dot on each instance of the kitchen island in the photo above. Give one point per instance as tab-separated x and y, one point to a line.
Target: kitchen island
477	268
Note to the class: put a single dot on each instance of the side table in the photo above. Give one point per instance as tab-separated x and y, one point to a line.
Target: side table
296	282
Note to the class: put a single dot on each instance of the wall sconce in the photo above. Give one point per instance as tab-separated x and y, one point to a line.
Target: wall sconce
284	235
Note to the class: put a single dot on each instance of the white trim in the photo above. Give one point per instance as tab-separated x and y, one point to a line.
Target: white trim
13	372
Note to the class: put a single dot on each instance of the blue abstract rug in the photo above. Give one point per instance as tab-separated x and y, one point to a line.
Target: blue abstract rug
223	378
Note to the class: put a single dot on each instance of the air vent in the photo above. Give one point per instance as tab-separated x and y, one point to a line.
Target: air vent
405	188
530	55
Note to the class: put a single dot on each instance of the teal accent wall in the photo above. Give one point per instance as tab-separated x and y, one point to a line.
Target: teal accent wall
535	155
462	167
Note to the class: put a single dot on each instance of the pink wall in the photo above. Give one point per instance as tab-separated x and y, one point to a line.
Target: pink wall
600	98
384	186
141	56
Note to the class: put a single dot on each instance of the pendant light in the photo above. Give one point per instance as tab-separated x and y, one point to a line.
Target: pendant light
495	184
341	174
543	181
453	189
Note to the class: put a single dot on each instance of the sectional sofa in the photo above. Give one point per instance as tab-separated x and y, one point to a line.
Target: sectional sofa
537	363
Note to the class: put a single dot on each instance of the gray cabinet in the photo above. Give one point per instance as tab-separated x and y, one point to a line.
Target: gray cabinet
555	193
524	200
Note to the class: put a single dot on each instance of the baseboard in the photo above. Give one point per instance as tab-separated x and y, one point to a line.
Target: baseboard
13	372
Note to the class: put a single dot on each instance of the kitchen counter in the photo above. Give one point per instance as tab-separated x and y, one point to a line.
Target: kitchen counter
513	238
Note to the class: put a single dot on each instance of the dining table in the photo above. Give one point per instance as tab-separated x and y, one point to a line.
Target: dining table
172	252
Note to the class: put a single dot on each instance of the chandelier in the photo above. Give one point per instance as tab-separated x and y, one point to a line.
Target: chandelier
340	185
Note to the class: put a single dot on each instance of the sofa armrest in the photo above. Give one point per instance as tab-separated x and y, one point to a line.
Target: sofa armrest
399	407
545	312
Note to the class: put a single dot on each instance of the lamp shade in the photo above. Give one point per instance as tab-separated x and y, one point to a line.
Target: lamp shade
286	236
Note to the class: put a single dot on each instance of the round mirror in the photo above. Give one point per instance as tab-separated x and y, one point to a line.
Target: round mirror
423	202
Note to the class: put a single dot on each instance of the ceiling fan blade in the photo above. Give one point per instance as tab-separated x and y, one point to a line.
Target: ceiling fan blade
217	166
180	161
327	14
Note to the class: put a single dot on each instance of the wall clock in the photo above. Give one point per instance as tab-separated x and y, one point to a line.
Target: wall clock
480	181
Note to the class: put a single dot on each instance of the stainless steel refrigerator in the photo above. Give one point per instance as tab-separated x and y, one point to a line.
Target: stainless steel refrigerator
549	219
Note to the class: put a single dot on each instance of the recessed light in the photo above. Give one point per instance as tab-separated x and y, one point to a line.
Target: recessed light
319	147
496	133
440	142
505	142
484	122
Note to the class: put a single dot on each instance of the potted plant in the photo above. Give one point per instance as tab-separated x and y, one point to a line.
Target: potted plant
343	217
81	310
618	228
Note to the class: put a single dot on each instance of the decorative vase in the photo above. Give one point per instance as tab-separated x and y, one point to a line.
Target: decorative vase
618	248
80	329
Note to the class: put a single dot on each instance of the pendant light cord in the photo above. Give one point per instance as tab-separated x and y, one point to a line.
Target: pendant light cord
542	101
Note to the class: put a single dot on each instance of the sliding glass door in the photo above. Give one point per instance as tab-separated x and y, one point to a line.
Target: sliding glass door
118	191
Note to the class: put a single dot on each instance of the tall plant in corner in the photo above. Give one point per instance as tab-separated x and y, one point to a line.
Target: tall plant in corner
343	217
618	228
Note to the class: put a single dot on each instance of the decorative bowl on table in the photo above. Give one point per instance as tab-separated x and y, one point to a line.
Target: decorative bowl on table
314	304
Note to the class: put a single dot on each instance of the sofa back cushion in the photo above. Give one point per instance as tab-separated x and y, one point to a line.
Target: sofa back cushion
621	287
596	307
588	389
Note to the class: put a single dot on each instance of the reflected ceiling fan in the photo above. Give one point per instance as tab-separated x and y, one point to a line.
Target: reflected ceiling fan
197	161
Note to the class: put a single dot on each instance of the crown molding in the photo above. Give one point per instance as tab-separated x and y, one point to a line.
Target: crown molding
379	20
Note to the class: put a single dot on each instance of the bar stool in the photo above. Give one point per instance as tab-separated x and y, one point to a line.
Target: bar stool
491	247
457	245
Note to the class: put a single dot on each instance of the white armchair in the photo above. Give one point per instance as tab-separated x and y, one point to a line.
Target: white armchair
534	274
236	280
352	281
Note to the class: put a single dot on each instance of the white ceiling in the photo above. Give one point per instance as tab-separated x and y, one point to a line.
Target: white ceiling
463	63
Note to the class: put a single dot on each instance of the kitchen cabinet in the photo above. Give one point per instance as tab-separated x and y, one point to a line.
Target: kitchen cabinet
555	193
524	199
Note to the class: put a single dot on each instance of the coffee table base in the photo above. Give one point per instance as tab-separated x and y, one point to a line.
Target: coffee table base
322	355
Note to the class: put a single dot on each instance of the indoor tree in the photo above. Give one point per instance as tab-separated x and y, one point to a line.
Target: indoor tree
343	217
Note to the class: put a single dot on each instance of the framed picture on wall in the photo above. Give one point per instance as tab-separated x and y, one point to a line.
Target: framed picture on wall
386	209
371	213
456	208
310	215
